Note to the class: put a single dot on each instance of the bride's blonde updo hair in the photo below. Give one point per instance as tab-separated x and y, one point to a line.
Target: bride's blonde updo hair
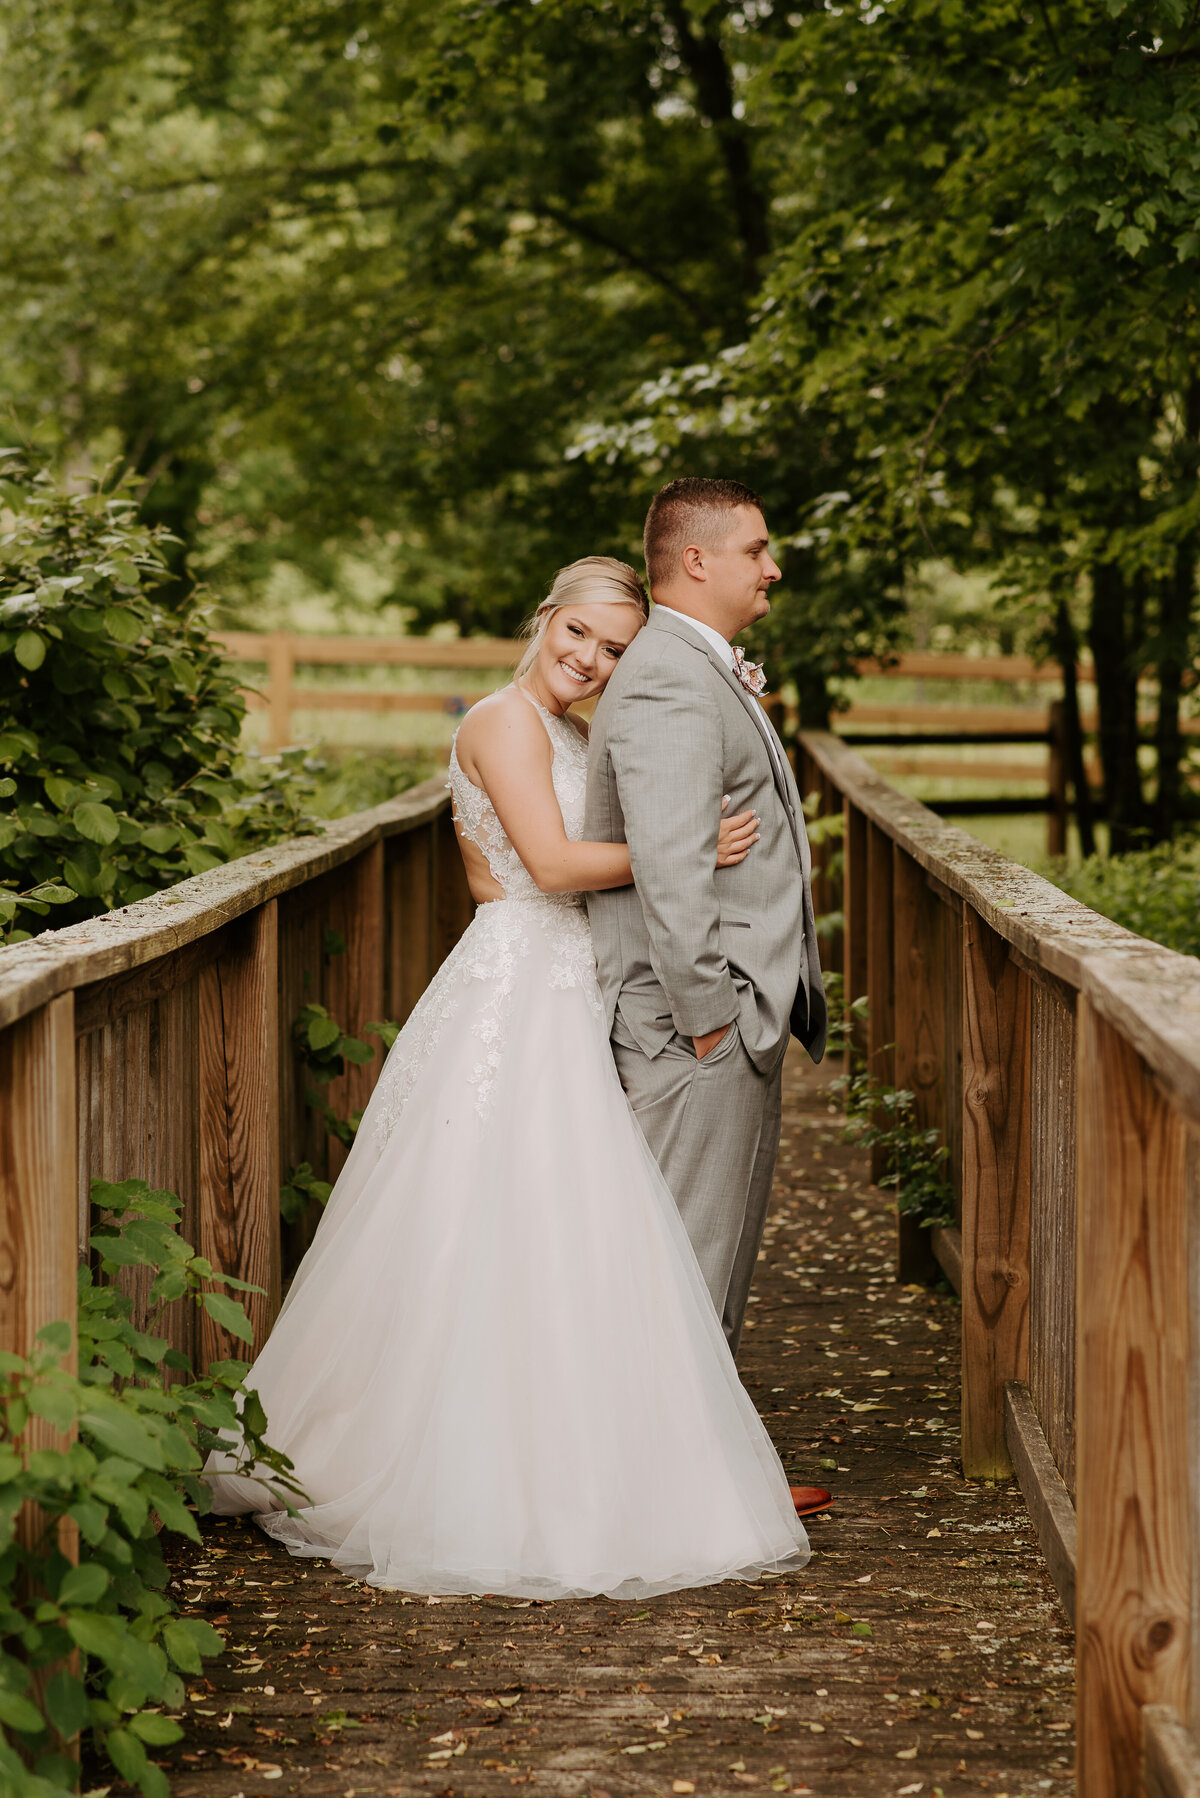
593	580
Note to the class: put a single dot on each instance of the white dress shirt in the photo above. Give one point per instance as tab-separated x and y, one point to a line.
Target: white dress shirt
716	641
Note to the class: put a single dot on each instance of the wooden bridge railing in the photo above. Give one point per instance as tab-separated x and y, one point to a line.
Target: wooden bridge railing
1059	1056
155	1043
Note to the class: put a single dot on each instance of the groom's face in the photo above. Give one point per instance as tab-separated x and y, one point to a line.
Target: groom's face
741	571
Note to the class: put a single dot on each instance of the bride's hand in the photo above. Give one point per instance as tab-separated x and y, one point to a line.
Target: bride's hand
735	836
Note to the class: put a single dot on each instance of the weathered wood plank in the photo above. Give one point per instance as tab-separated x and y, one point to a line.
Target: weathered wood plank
1043	1490
410	919
239	1130
995	1193
946	1242
856	884
454	907
1133	1606
920	1053
354	980
881	974
31	973
1150	994
37	1180
1170	1755
1052	1217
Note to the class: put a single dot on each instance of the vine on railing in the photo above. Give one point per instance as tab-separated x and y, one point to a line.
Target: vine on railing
324	1049
99	1648
881	1116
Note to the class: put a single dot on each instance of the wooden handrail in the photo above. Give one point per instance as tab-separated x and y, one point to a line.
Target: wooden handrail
104	947
1057	1055
1150	994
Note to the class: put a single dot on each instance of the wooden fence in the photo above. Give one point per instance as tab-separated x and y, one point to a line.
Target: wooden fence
1059	1057
156	1043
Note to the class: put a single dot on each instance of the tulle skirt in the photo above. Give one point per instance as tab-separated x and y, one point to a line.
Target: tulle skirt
498	1368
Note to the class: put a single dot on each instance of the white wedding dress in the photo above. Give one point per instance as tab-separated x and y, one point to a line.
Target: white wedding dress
498	1368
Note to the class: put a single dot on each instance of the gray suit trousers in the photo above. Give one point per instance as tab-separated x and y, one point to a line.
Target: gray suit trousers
713	1128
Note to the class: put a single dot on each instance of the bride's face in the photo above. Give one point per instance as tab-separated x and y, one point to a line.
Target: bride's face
582	646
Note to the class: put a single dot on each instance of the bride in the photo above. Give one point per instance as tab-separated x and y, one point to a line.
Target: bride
499	1368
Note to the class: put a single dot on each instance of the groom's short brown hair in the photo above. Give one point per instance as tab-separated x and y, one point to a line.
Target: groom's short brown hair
689	509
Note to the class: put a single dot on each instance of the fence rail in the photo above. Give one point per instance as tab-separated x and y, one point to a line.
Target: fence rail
1059	1057
882	727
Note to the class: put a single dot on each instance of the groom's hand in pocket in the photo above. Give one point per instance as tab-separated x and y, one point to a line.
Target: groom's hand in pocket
703	1045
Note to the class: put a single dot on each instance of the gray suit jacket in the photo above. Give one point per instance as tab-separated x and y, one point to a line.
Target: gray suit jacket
690	946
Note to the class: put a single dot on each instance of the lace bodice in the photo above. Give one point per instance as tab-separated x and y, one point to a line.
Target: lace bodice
477	817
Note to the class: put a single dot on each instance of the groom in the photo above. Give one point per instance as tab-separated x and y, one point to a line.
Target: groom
705	971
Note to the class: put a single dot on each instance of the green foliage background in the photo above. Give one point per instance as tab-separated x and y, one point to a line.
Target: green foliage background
450	289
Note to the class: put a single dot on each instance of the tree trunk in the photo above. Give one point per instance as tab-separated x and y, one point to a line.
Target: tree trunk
1066	646
1110	635
1175	623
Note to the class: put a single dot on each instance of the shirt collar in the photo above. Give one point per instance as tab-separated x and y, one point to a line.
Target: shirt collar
706	631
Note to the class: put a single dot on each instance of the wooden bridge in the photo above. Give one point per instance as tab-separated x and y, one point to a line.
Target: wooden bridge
1058	1055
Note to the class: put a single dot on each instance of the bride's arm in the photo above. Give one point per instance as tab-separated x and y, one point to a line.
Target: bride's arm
508	752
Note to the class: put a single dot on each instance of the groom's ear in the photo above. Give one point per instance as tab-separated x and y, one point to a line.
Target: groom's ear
693	562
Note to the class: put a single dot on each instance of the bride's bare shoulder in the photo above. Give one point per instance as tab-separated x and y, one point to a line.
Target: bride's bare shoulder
503	723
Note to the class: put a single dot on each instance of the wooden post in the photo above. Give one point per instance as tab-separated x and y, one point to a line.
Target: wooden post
354	981
881	1019
855	888
239	1125
1059	812
280	671
995	1192
1135	1449
920	1030
38	1206
832	808
410	919
38	1254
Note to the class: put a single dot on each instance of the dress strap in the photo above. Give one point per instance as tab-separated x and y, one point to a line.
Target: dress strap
547	717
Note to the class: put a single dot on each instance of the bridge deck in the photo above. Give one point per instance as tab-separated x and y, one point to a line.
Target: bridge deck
923	1650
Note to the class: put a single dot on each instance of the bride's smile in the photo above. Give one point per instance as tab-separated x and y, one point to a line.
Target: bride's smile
579	648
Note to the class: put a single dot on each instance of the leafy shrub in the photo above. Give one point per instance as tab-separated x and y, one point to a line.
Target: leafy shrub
119	722
144	1427
881	1116
1153	891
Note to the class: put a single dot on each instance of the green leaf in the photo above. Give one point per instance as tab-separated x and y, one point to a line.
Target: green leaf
30	650
83	1585
66	1703
322	1033
54	894
20	1714
8	787
122	625
119	1430
129	1758
96	822
169	1505
153	1727
158	838
55	1404
60	791
56	1336
229	1314
187	1639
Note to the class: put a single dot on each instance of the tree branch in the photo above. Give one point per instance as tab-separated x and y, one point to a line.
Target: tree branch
593	234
